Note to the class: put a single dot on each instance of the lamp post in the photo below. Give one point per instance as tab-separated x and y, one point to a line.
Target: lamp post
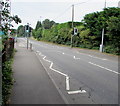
72	25
101	45
103	30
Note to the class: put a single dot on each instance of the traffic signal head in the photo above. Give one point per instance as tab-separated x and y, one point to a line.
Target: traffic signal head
30	29
27	27
75	31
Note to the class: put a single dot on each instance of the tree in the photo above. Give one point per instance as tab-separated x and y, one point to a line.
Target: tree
114	30
21	30
47	24
97	21
6	18
38	25
37	34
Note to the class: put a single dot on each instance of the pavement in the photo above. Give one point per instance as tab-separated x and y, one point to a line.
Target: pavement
32	83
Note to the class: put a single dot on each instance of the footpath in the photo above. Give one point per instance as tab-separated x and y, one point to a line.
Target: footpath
32	83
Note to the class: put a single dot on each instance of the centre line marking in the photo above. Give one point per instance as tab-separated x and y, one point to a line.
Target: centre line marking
97	57
91	56
105	68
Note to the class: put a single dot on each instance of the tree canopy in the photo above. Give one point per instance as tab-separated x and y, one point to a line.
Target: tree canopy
47	24
6	18
38	25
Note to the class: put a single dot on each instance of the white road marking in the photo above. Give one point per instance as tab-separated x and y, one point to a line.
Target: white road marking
97	57
67	83
75	57
91	56
46	59
68	54
57	70
76	92
64	98
105	68
66	76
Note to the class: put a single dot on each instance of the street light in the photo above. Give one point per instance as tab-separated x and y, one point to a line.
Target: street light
101	45
72	25
103	30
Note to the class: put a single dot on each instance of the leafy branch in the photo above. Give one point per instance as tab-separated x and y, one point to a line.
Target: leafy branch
6	18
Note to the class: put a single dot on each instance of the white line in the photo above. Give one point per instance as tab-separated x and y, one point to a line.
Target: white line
104	68
52	65
64	98
67	83
75	57
76	92
57	70
97	57
66	76
46	59
92	56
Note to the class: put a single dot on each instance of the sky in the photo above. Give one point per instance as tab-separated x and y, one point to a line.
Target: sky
60	11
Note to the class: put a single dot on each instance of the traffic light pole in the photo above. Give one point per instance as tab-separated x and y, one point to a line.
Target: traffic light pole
27	36
27	40
72	25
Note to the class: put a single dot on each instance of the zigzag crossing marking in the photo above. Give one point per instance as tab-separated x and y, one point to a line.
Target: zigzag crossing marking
66	76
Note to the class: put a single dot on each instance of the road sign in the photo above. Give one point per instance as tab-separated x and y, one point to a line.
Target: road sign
1	33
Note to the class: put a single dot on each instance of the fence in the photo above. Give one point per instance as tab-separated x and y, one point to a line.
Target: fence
7	51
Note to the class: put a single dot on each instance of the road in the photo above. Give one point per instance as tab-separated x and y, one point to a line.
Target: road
81	76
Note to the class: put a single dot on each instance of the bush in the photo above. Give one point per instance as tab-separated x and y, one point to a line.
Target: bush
7	80
96	48
112	49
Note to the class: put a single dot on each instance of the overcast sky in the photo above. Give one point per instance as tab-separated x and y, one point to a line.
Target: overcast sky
30	11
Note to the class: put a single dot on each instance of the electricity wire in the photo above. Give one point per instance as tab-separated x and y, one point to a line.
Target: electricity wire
61	14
